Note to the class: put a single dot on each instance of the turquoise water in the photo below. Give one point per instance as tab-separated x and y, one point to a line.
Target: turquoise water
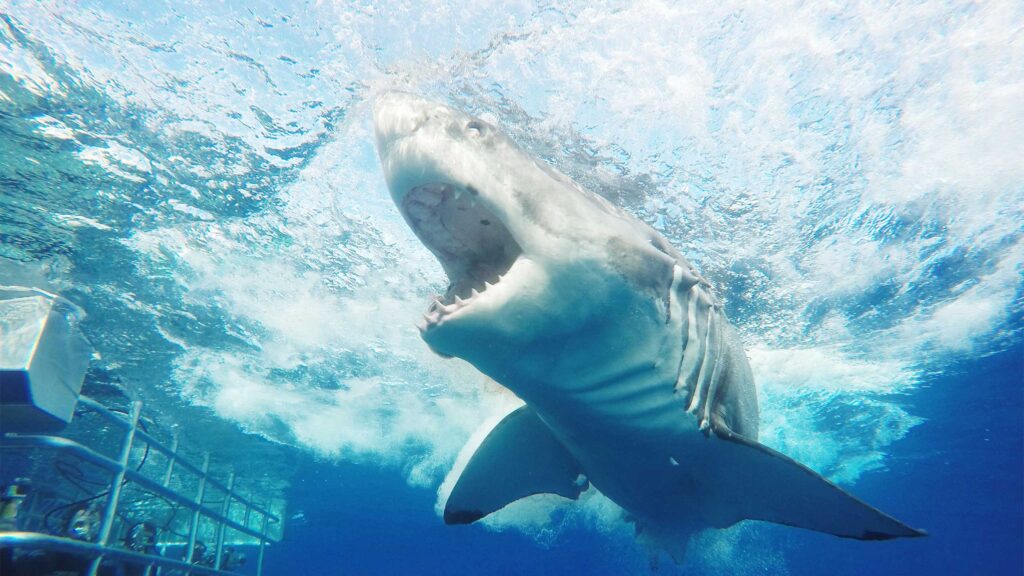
201	179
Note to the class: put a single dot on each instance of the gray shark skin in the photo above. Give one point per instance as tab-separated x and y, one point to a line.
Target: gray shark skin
632	377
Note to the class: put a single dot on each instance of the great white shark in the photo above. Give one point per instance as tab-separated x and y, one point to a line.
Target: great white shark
632	377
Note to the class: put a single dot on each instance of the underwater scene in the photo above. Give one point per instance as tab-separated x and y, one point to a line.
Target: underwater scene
496	288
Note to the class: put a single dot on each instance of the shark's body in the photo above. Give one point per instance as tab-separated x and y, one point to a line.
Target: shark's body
632	377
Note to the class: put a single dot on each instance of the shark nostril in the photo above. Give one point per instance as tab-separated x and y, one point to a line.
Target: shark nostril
414	123
474	128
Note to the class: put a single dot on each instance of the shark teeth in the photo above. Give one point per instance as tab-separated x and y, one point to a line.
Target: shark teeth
438	309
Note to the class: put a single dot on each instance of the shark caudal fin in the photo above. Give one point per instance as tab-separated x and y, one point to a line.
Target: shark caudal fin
518	458
773	487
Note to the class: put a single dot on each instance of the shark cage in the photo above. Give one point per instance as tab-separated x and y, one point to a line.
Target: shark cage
93	489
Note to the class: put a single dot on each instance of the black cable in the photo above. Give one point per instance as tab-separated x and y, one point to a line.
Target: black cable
74	475
174	508
49	515
63	470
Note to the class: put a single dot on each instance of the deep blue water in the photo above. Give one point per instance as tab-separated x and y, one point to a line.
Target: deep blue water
202	182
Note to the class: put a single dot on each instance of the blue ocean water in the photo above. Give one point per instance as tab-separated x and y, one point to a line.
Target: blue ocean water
201	180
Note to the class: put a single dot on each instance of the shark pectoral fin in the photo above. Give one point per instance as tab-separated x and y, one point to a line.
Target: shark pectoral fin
518	458
770	486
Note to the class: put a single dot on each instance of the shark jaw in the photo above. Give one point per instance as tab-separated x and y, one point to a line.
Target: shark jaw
440	169
531	258
473	245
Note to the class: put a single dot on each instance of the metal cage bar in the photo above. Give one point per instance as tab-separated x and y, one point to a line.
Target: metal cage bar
36	541
116	483
224	511
169	452
121	475
193	529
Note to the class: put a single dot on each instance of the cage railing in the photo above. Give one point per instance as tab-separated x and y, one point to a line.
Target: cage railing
121	475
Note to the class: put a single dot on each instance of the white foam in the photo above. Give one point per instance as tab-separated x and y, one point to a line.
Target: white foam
118	159
826	369
830	410
969	318
406	411
24	68
78	221
54	128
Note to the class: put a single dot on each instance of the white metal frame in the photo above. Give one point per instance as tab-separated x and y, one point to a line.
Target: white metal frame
121	474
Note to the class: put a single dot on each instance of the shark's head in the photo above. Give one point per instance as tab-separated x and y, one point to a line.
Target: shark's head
532	259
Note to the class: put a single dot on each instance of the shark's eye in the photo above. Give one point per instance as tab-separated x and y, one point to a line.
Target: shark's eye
475	128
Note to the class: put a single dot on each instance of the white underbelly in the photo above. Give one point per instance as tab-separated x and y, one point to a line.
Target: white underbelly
638	445
636	418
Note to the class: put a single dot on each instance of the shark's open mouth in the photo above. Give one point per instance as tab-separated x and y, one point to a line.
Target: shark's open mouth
472	243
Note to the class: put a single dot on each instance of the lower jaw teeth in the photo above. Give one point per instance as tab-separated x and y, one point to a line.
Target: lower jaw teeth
438	309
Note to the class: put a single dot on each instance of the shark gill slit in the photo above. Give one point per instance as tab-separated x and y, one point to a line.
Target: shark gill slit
701	384
709	399
674	309
690	353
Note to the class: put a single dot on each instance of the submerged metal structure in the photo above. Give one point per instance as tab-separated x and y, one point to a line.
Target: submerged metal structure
91	503
43	359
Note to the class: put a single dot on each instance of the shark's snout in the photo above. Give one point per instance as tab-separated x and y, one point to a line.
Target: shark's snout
397	114
434	174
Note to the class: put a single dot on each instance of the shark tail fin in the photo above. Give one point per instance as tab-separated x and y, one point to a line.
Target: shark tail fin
776	488
518	458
